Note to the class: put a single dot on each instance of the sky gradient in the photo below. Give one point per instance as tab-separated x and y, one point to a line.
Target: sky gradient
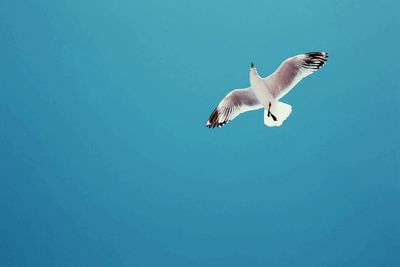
105	159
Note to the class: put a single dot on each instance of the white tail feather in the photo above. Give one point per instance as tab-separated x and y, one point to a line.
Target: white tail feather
280	111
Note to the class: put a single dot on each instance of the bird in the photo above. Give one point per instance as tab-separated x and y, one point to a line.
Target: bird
266	92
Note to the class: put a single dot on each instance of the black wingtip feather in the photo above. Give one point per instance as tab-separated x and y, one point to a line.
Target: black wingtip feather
213	121
315	60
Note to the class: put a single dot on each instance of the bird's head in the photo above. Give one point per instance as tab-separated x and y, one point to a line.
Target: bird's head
253	69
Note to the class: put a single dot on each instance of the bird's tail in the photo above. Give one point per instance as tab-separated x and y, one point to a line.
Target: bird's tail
276	114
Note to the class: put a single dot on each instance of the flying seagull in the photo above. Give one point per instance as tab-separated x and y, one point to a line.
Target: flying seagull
266	92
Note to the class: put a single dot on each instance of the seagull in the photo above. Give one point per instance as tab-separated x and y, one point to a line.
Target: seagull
266	92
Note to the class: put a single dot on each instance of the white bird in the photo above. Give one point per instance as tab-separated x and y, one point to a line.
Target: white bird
266	92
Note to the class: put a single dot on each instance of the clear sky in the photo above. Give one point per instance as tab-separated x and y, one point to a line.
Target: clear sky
105	159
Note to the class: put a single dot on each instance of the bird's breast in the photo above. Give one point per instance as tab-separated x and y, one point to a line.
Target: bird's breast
262	93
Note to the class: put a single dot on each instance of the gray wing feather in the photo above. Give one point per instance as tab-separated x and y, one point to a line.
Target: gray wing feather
292	70
236	102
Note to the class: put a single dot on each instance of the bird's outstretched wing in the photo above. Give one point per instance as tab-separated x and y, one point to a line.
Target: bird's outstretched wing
234	103
292	70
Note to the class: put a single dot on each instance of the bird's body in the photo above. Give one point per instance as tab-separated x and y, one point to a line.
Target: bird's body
259	88
266	92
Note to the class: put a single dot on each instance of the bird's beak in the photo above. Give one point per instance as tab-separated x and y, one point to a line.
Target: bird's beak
252	65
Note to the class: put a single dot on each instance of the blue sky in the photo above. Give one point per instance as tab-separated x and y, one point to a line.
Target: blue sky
105	159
